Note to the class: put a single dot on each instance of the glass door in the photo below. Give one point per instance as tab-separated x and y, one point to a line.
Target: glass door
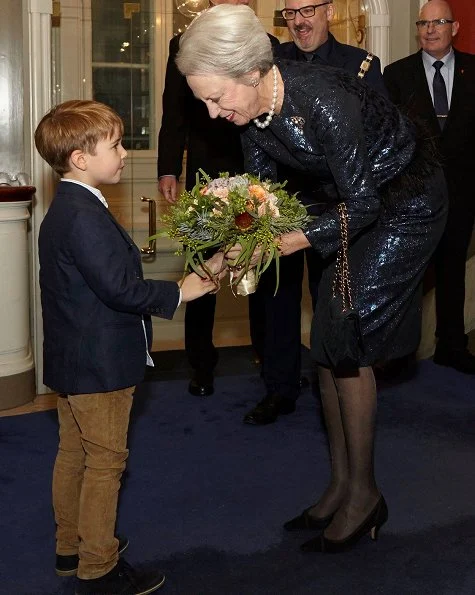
129	53
123	76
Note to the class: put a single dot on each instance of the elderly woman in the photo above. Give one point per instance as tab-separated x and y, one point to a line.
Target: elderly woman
363	154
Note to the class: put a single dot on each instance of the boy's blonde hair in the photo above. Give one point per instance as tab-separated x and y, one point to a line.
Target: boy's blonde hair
72	125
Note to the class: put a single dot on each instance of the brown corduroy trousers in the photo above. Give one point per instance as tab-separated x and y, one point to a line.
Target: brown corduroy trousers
86	480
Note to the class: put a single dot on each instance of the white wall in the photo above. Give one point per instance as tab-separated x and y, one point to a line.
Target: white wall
403	30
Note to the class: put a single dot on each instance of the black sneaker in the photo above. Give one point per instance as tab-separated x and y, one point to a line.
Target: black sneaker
68	565
121	580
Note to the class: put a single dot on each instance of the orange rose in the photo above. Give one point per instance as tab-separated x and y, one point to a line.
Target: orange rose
257	192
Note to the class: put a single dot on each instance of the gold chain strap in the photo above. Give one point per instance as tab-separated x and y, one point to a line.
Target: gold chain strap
365	65
341	279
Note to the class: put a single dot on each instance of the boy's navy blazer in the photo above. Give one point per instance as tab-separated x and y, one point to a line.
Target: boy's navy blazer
93	297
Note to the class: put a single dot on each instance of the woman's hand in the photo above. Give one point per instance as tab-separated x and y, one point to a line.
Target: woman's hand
234	252
216	264
291	242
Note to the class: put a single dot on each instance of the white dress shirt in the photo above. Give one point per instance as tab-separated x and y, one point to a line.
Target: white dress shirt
447	72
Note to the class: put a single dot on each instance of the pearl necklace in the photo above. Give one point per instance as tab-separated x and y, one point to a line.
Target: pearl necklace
271	113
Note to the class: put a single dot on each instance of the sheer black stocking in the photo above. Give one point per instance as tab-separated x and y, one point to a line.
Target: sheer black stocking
334	494
357	411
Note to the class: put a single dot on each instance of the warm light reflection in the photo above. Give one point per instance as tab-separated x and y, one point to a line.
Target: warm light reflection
5	97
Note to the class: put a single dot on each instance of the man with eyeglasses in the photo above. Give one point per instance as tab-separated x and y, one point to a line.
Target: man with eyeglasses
436	86
309	27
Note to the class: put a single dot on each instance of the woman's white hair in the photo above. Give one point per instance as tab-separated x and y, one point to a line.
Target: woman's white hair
226	40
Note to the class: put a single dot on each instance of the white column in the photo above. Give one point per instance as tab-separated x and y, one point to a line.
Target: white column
379	23
16	356
37	39
15	350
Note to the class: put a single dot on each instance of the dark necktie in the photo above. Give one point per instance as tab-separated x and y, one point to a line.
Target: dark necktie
441	104
312	57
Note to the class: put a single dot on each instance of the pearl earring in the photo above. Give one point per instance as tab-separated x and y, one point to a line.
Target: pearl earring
255	82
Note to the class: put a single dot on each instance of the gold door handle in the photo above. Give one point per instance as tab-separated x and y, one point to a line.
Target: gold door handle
152	225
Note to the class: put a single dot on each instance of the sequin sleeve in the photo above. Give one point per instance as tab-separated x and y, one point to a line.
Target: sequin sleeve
337	124
257	161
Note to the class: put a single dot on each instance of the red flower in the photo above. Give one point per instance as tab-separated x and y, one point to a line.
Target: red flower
244	221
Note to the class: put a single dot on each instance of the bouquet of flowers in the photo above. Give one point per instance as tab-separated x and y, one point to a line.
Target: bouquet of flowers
219	213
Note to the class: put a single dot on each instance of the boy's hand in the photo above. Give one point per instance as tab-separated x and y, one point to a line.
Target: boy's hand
193	286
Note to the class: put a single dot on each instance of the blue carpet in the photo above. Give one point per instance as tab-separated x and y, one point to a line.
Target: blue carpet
205	495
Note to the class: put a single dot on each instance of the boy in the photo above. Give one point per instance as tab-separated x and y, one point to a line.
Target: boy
97	332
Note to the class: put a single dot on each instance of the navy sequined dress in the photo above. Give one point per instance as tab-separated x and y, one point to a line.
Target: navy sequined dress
355	146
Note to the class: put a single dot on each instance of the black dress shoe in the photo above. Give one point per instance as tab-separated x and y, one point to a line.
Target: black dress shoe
68	565
459	359
267	410
305	521
201	385
372	524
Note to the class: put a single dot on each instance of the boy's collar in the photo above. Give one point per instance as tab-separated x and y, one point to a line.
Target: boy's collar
95	191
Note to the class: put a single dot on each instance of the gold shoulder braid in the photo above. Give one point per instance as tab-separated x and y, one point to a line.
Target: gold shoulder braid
365	65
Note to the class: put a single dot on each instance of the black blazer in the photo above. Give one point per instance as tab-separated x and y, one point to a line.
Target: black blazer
407	85
213	145
339	55
93	296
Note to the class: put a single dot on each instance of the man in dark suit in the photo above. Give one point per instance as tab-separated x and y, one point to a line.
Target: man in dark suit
436	86
312	41
215	147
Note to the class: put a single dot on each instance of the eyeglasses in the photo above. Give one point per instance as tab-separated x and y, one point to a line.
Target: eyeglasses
306	12
435	23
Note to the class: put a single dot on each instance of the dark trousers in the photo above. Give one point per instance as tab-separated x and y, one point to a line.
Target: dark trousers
282	320
199	323
450	261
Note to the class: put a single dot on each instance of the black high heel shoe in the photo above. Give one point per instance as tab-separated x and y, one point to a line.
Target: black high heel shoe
372	524
305	521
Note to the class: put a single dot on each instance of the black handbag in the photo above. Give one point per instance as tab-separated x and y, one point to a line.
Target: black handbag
343	340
